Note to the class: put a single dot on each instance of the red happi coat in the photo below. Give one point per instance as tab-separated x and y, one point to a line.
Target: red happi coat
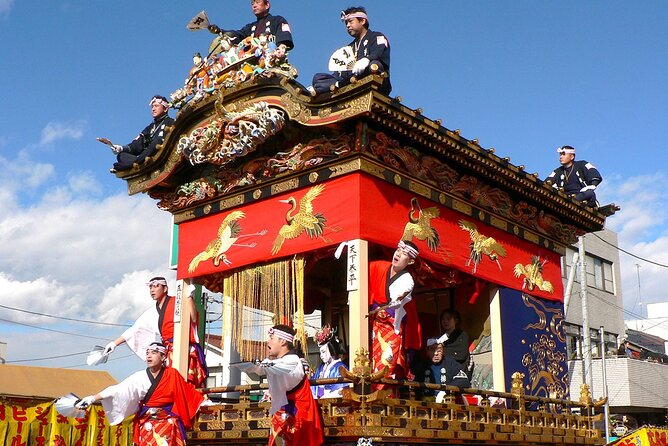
168	409
197	370
382	323
298	422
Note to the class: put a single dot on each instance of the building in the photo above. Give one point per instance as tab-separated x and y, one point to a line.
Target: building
635	387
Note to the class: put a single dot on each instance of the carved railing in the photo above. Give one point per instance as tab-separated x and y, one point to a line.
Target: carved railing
493	418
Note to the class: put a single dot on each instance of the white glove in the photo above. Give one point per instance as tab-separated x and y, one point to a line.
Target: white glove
85	402
190	290
586	188
116	149
360	66
109	348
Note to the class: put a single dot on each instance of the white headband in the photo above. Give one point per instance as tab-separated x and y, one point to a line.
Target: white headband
157	348
565	150
282	334
157	282
353	15
412	252
160	102
432	341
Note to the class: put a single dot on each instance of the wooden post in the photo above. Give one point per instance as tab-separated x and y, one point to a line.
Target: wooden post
181	329
357	279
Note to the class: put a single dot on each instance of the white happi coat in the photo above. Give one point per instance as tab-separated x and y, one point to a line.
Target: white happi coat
122	400
283	374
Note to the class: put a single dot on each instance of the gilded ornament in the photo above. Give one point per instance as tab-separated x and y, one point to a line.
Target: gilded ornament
481	245
419	225
533	275
206	209
305	220
313	177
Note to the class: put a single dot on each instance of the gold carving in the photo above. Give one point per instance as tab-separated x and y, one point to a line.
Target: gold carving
232	201
257	193
498	223
207	209
531	236
284	186
397	179
313	177
345	168
420	189
462	207
441	198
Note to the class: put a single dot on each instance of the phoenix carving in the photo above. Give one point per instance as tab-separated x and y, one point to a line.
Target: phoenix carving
533	275
228	233
305	220
481	245
419	225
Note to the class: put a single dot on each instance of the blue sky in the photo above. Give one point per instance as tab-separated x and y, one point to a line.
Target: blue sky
522	76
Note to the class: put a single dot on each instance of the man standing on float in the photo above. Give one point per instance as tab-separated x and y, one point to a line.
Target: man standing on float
158	322
394	322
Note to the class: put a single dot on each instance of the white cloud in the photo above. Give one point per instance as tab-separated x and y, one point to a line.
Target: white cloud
55	130
5	7
23	174
642	231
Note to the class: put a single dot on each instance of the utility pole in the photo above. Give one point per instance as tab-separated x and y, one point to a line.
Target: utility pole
606	407
642	316
586	339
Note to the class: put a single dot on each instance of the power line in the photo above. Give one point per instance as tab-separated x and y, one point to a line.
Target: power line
63	317
55	331
629	253
46	358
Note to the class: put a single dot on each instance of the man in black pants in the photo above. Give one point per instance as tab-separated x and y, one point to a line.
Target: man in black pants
146	142
371	50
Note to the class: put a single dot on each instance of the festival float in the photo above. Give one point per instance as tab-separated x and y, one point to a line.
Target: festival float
282	198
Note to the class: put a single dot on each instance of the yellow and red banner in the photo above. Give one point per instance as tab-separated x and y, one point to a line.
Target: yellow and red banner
646	436
39	424
361	206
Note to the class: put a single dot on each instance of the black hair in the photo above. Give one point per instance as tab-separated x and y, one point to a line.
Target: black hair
352	9
452	312
158	278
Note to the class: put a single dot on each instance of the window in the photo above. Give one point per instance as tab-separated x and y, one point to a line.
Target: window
599	273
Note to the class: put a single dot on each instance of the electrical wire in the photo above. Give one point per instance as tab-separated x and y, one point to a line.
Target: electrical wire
54	331
629	253
63	317
46	358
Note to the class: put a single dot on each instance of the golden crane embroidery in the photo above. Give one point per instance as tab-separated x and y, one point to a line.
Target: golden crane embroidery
533	275
481	245
228	233
305	220
420	226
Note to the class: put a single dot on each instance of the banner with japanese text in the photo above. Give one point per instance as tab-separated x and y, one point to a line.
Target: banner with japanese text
24	424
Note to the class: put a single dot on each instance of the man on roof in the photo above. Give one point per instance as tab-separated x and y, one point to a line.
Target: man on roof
265	23
576	177
146	143
369	53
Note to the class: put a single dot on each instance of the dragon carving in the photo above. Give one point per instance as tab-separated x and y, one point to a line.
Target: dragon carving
232	134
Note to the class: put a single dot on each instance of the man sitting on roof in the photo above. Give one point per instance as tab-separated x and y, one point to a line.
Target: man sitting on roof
145	144
370	51
578	178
